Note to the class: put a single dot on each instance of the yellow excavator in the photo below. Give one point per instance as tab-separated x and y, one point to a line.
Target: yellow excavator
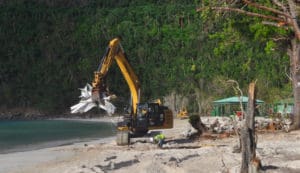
142	116
183	113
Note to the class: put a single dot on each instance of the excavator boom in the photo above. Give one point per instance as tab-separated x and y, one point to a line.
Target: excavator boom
115	52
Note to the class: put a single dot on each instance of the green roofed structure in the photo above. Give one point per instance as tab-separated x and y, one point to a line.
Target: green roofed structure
230	106
285	106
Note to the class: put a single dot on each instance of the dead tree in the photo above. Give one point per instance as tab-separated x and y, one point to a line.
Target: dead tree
250	164
281	14
239	92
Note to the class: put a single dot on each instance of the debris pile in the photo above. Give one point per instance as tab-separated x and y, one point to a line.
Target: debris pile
228	124
86	103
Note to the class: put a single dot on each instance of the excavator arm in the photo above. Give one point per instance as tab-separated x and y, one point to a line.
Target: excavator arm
115	52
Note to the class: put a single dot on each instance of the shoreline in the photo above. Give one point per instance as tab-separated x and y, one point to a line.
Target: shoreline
107	119
66	142
54	144
209	154
178	155
19	160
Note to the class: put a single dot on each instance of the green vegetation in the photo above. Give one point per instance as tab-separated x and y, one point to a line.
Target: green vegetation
51	48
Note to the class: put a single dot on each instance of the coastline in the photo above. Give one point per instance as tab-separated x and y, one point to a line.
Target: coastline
19	161
60	142
107	119
53	144
278	151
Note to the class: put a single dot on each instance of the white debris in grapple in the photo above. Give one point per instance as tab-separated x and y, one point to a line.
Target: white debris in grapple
86	103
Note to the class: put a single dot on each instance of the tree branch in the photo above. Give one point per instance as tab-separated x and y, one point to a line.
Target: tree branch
293	21
290	15
279	4
243	12
288	76
276	24
267	8
280	38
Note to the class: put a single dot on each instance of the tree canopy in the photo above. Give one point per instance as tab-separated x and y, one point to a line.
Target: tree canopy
51	48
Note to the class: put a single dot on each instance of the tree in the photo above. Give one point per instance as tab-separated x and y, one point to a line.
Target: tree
278	14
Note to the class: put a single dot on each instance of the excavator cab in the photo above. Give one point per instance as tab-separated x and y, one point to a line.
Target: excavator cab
149	115
157	116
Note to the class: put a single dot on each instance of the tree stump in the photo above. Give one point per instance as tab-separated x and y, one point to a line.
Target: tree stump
250	164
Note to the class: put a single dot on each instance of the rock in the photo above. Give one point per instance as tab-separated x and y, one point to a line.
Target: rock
236	149
189	132
97	169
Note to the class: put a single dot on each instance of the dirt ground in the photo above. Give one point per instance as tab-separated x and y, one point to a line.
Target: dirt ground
278	151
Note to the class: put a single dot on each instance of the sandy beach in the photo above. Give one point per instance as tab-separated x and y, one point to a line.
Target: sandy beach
278	151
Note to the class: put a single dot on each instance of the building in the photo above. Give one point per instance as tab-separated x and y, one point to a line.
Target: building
231	106
285	106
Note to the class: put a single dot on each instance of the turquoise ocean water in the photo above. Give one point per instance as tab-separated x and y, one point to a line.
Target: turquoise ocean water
29	135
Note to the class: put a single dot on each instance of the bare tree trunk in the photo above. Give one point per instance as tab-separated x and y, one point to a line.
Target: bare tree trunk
295	70
248	134
201	127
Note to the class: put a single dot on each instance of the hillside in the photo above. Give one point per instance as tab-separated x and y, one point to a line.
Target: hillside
51	48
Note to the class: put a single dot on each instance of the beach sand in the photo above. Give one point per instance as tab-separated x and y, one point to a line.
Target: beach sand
278	151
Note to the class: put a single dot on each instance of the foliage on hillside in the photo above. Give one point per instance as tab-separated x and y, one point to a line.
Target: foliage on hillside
51	48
